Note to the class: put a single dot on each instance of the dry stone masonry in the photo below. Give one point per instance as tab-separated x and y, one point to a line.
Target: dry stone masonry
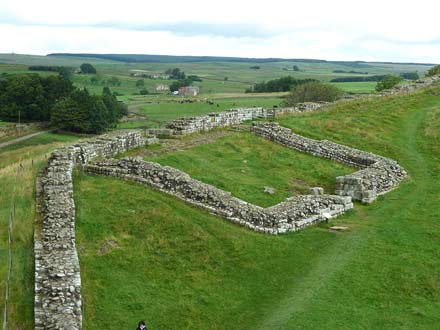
377	176
57	277
291	215
233	117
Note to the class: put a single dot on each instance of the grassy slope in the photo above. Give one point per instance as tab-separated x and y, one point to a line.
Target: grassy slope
181	268
244	164
31	154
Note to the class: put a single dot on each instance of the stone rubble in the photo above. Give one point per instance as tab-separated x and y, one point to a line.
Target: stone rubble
291	215
377	176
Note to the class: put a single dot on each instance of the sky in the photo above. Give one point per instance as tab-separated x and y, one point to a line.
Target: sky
374	30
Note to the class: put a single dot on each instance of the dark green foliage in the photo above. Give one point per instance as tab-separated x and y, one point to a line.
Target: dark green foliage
255	67
175	85
284	84
433	71
194	78
87	68
313	91
388	82
140	83
31	97
358	79
175	73
410	75
144	92
82	113
296	68
52	68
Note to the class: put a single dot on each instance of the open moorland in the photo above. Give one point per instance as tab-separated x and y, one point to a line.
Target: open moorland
147	255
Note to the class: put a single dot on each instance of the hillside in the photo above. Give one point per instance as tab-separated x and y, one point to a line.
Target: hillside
183	268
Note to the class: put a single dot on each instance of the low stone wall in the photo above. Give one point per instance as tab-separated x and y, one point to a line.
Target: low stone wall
233	117
17	129
378	175
403	89
57	276
293	214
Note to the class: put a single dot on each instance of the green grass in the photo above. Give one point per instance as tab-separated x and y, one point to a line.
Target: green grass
158	114
180	268
357	87
43	139
244	164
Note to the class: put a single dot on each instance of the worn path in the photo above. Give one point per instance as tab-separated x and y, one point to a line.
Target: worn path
22	138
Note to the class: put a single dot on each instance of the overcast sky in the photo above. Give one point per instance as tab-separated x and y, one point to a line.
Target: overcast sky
380	30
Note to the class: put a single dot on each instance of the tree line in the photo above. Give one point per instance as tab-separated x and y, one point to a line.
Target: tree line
283	84
31	97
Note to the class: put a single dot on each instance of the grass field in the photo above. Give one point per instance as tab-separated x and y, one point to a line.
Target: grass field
239	76
244	164
158	114
145	255
357	87
32	155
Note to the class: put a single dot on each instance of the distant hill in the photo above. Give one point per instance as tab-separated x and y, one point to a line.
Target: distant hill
140	58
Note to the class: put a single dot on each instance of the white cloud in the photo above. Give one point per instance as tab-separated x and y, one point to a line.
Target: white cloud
340	29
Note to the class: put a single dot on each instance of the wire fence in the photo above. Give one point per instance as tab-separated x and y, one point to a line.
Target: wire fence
10	241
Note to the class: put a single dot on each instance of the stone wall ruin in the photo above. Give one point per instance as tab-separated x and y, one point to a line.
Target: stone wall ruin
57	278
377	176
293	214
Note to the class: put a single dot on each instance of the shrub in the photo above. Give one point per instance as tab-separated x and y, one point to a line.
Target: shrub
143	92
434	71
313	91
87	68
388	82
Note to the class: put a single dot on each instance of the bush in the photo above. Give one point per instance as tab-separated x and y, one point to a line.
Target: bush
143	92
410	75
313	91
388	82
434	71
87	68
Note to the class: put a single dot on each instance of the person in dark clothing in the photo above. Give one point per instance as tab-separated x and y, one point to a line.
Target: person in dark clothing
141	326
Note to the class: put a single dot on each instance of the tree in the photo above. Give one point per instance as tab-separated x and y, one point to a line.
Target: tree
30	96
140	83
87	68
283	84
313	91
295	68
81	113
144	92
433	71
175	73
410	75
388	82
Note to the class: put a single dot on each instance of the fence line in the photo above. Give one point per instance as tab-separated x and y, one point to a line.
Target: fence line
10	225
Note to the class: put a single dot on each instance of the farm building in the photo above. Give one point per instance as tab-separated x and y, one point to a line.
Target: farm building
162	87
189	90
